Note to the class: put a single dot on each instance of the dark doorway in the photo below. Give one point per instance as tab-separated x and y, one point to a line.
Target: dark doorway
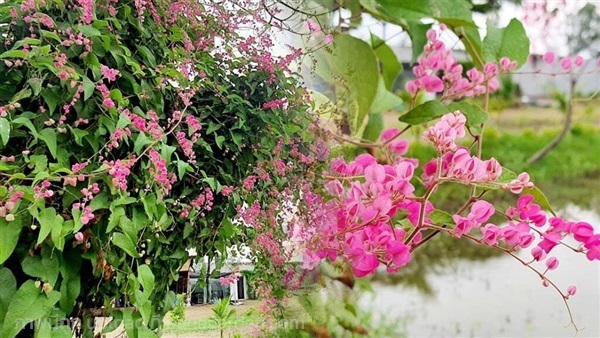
240	288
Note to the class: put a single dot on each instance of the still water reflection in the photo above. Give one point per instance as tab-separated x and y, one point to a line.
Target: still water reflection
474	292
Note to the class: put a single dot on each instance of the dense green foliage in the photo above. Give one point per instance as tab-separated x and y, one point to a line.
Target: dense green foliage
106	177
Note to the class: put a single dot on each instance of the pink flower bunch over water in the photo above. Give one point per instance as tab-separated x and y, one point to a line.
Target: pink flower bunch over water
439	72
366	198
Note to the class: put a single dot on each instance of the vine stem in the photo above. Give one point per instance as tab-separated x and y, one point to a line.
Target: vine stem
507	251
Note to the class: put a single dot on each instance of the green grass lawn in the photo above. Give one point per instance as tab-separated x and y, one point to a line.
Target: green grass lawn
206	325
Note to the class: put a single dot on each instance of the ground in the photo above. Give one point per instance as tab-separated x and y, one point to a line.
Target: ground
198	325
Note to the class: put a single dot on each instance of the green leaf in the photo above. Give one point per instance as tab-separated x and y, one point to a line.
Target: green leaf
540	198
13	54
100	201
385	100
511	42
27	305
4	130
472	41
71	283
88	88
23	121
9	237
51	35
425	112
374	127
388	62
61	331
140	142
474	114
36	85
418	36
439	217
182	168
52	98
124	242
146	279
114	218
44	266
8	288
49	137
145	51
89	31
352	65
48	220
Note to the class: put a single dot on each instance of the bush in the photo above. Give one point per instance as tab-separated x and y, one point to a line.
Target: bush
127	130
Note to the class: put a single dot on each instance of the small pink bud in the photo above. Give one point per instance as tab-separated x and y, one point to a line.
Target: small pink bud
545	283
538	254
571	290
579	61
79	237
431	35
552	263
565	63
549	57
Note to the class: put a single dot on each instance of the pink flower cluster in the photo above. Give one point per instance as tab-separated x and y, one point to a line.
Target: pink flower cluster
109	73
395	145
86	210
462	167
445	132
160	173
43	191
439	59
360	213
481	211
120	170
9	204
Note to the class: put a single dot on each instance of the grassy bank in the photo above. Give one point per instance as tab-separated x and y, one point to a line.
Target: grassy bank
569	172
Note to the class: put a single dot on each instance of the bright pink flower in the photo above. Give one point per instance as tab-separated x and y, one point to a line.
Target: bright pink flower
463	225
491	234
552	263
109	73
549	57
388	134
538	253
481	211
413	87
399	147
565	63
582	231
363	262
431	35
593	247
79	237
334	188
579	60
398	254
432	84
550	241
108	103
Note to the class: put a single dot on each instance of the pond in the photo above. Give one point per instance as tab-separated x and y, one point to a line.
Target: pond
474	292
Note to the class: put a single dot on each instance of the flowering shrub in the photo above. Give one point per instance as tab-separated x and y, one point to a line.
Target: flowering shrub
371	213
128	130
